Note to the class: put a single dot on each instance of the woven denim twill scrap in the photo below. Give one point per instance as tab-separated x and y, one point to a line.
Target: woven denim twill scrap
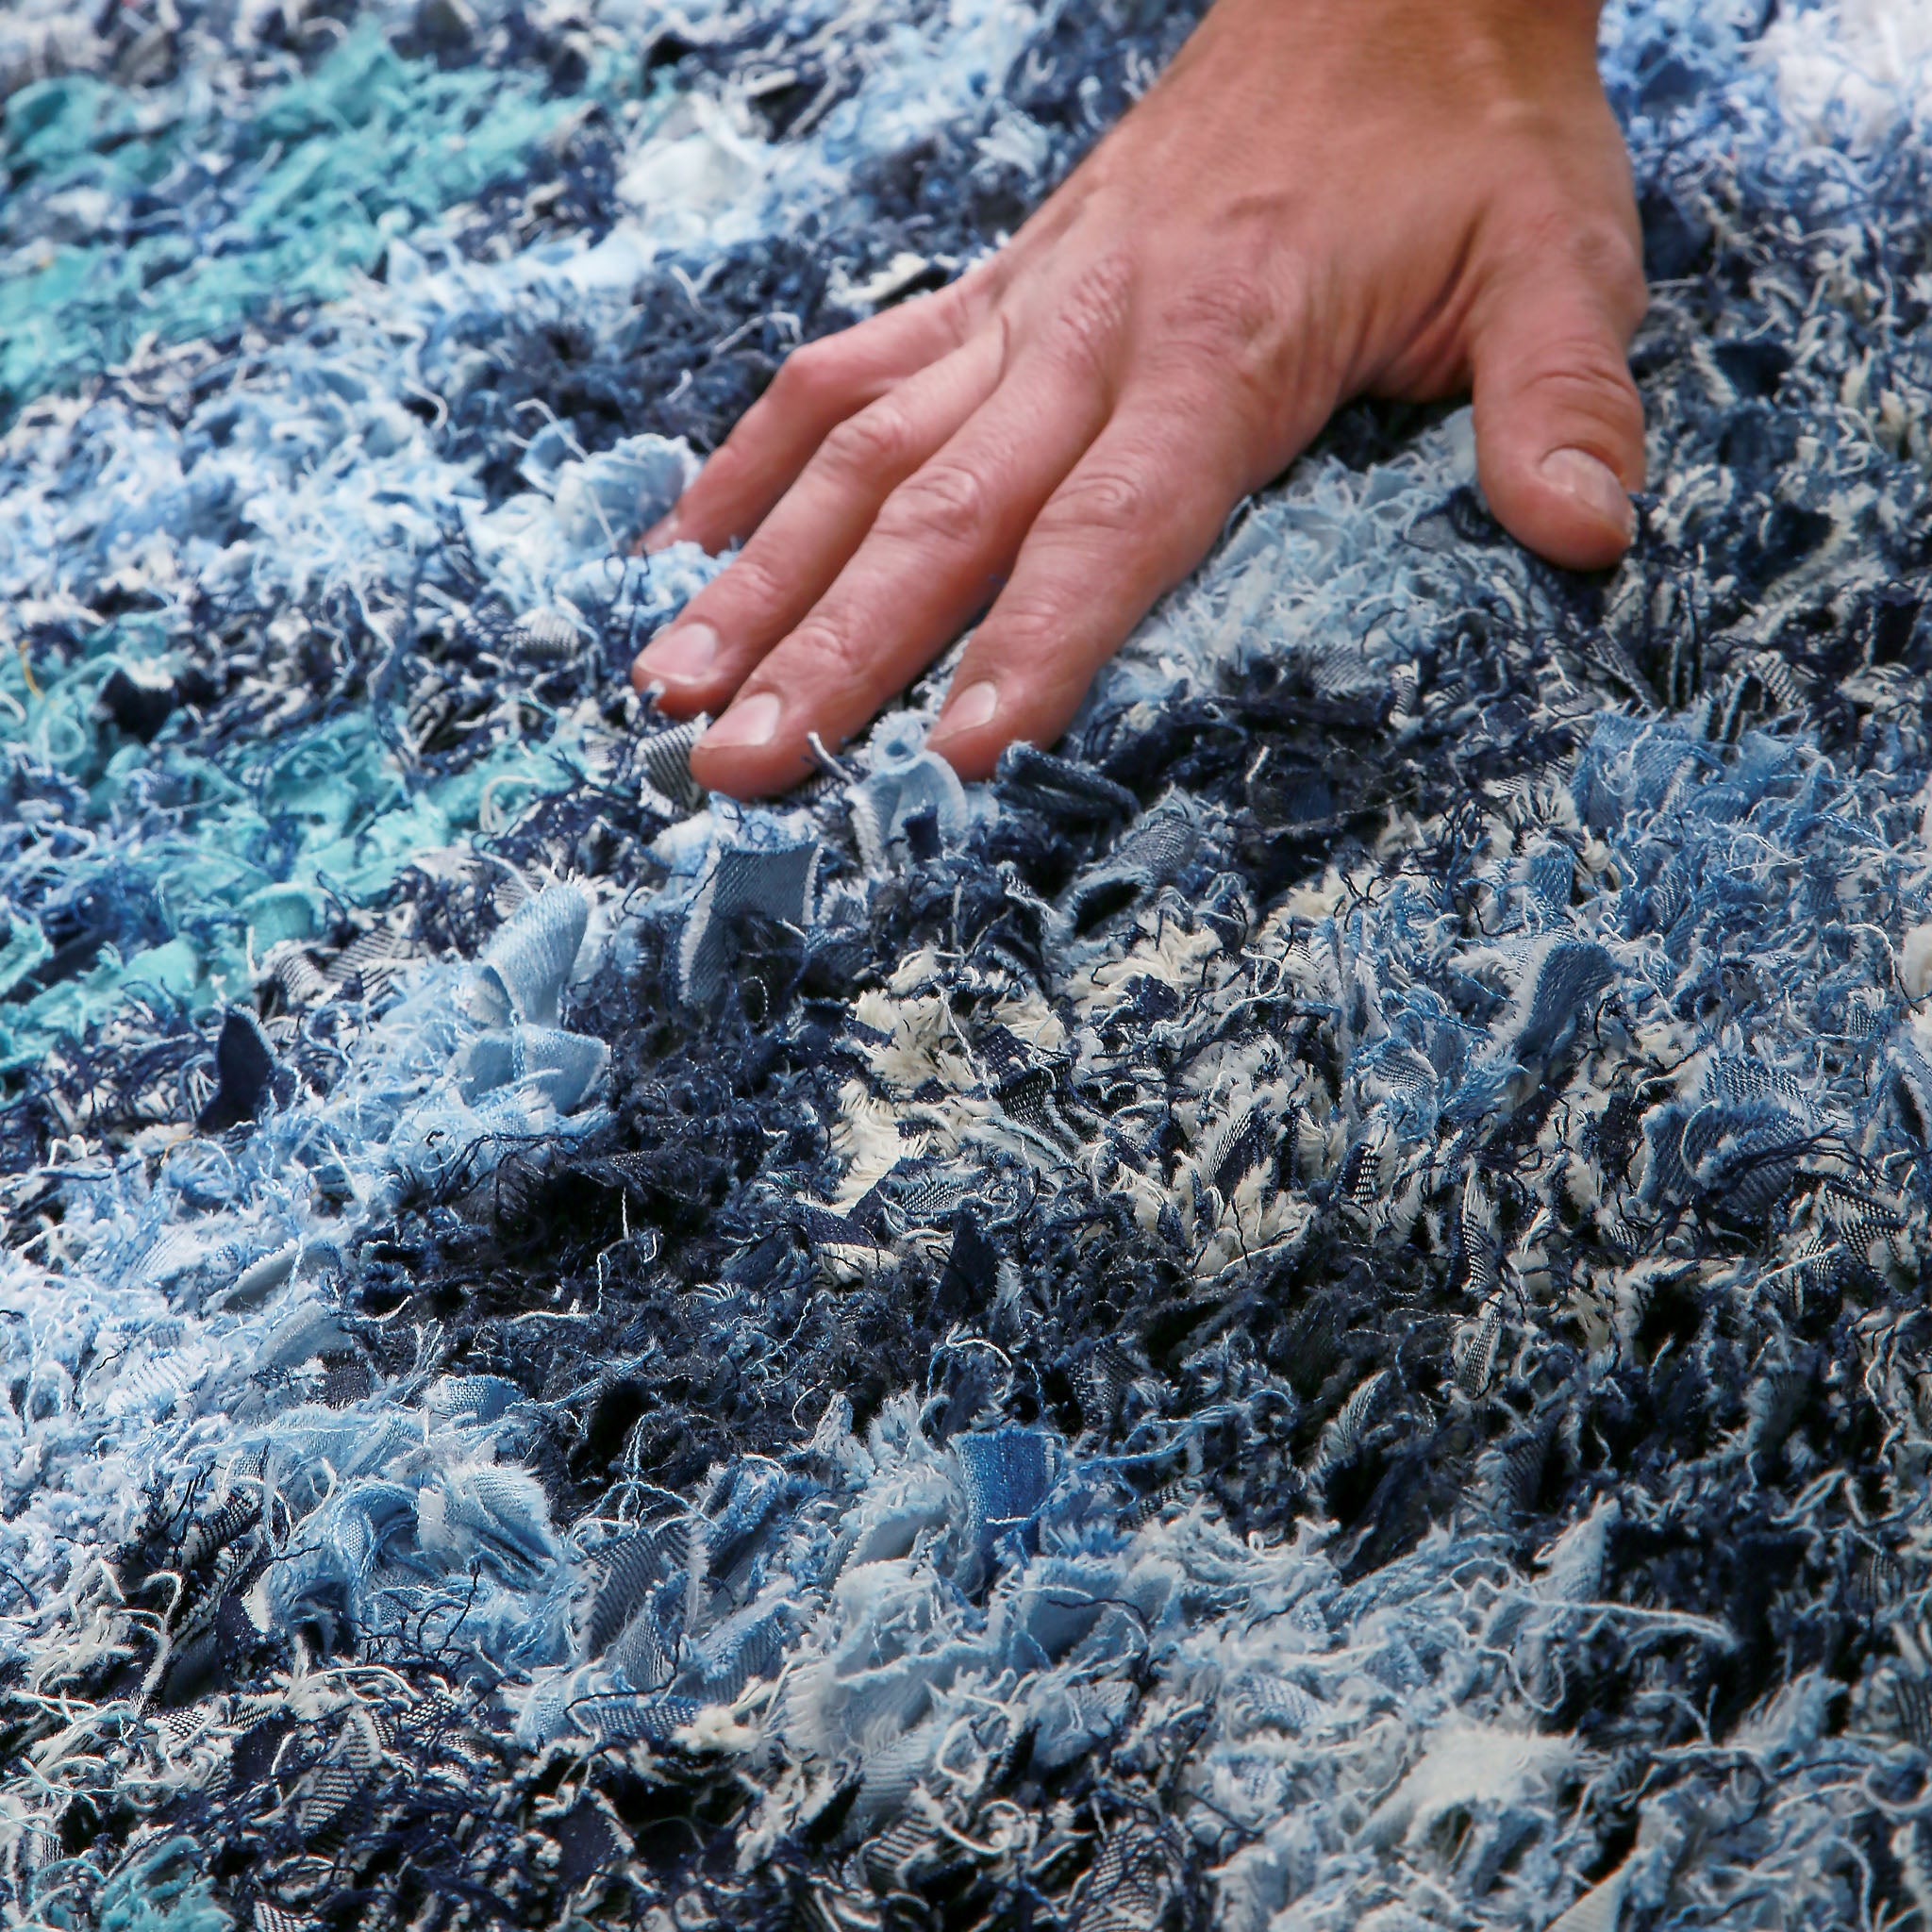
1303	1313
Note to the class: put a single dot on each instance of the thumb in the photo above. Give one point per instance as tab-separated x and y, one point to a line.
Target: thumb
1558	424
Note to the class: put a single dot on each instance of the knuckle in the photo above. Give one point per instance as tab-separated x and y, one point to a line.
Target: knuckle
942	499
1029	631
1102	498
1091	322
1228	311
955	308
1585	372
1610	258
1600	251
1254	344
1588	394
878	439
746	589
828	653
809	374
727	472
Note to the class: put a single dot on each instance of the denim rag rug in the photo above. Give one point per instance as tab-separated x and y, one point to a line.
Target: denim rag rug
1303	1313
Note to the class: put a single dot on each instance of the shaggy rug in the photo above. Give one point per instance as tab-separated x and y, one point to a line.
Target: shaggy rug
1303	1313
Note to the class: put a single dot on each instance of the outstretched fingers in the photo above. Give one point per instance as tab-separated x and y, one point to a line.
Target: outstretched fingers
798	551
935	556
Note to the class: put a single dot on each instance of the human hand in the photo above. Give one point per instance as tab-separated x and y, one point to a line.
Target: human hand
1319	199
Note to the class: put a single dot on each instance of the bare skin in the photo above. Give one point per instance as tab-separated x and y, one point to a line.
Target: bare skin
1319	199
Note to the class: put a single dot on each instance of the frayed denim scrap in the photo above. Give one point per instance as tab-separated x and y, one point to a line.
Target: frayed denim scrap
1303	1310
909	805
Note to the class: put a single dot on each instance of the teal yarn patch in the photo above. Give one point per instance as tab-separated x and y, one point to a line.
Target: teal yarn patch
272	209
239	849
166	1891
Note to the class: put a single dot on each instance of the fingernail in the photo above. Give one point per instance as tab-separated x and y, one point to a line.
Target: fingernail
973	707
1594	485
663	533
684	652
751	722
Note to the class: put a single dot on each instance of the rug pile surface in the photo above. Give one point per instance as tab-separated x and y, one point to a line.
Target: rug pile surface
1303	1313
